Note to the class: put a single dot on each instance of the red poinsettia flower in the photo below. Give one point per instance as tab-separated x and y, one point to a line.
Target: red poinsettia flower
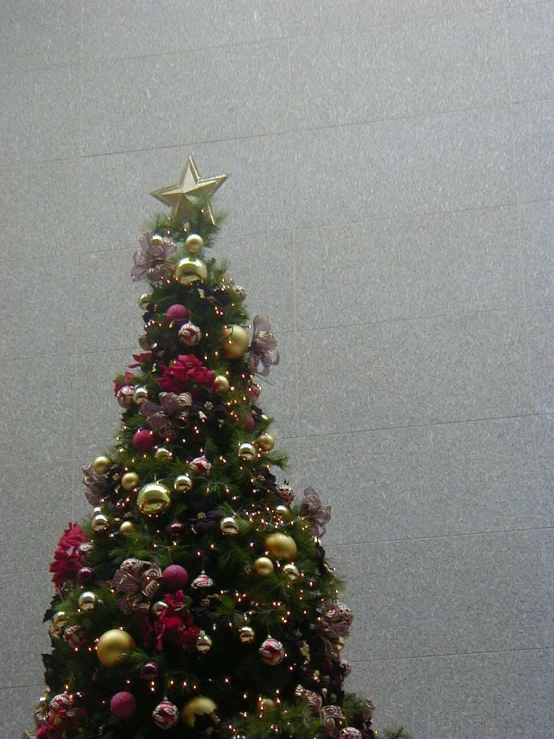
183	372
141	359
118	384
67	560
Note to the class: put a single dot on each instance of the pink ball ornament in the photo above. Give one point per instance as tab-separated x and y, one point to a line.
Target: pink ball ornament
174	578
175	529
85	575
189	334
123	705
249	424
143	440
149	671
165	715
177	312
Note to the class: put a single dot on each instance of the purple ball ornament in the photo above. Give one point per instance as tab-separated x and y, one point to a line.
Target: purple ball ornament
174	578
123	705
177	313
165	715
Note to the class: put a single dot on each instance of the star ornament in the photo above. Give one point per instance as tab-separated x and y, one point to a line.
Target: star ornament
191	191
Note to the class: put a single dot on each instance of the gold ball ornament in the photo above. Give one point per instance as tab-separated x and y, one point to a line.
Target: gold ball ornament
235	341
291	571
221	384
246	634
265	704
100	522
229	526
112	647
87	601
163	455
182	483
341	643
101	464
247	451
140	395
126	528
194	244
190	270
153	499
281	546
263	566
144	301
203	643
283	511
130	480
266	442
200	705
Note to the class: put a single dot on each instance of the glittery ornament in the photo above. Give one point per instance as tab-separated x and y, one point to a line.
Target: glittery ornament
177	313
61	704
350	733
143	440
272	652
123	705
190	334
174	578
165	715
125	396
285	493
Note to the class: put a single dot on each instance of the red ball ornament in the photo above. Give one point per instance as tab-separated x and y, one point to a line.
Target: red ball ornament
123	705
174	578
177	312
143	440
249	424
272	652
165	715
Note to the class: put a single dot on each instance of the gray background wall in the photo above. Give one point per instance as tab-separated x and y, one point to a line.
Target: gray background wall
391	211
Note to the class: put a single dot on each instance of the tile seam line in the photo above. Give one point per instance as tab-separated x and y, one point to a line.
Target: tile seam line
87	61
311	129
450	654
438	537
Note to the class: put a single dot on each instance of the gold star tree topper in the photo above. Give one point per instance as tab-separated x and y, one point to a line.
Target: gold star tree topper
191	191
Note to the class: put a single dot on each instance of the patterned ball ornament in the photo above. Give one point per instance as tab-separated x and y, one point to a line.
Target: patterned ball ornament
272	652
190	334
125	396
165	715
74	636
246	634
61	704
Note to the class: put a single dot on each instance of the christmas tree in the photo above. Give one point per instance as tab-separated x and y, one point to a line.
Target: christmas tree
197	599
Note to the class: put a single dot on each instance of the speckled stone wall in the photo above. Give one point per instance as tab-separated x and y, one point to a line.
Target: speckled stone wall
391	211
